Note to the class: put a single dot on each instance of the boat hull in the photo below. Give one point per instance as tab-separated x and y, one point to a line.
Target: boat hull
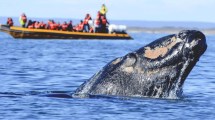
25	33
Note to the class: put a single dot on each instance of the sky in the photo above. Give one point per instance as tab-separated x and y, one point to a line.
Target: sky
143	10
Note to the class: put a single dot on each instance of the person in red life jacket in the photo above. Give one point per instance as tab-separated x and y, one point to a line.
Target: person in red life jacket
104	24
42	25
86	25
30	24
70	27
48	24
97	25
23	20
80	27
10	22
52	25
37	25
64	26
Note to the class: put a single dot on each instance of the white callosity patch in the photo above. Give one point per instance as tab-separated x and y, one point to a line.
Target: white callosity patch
128	64
161	51
128	69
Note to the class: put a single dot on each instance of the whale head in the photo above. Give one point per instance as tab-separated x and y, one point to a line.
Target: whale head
158	69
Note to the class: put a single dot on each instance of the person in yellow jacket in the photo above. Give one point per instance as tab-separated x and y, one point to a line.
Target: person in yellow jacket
23	20
103	10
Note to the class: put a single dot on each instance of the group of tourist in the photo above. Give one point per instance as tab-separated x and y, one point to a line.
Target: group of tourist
86	25
51	25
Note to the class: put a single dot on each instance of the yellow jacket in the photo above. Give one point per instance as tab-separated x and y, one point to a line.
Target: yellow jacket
103	10
21	21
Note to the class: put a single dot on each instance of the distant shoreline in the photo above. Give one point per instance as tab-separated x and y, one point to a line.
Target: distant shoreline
168	30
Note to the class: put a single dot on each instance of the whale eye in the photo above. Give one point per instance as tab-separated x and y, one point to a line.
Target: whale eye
130	59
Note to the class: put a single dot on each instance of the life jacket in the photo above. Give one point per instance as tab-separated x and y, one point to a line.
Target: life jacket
86	21
55	26
81	26
104	21
24	18
31	26
64	27
52	26
10	22
37	25
97	22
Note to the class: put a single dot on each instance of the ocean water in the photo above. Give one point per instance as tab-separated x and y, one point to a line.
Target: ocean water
31	69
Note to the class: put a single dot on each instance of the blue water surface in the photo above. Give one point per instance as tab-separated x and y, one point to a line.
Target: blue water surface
29	69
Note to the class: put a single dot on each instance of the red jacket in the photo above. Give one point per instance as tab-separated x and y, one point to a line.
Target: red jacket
64	27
